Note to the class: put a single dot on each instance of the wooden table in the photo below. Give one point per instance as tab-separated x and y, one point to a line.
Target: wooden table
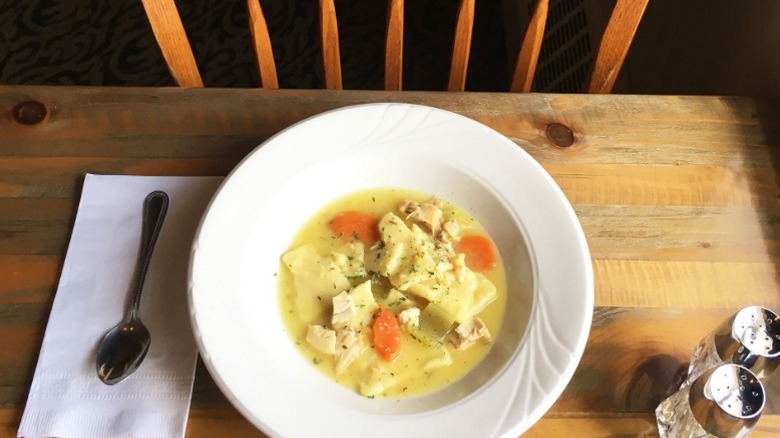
678	196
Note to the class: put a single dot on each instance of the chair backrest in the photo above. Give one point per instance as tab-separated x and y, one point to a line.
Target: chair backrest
620	30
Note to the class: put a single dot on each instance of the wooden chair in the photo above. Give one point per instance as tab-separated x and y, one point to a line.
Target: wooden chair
620	30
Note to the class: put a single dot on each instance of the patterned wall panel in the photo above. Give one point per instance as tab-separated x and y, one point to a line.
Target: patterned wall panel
93	42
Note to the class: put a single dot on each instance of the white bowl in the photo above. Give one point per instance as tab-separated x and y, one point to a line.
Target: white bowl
265	200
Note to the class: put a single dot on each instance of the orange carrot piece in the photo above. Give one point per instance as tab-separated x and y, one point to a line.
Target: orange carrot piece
387	334
355	225
480	255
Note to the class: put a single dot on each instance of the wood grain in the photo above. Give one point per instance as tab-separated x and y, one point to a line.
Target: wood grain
678	197
615	44
461	46
172	39
28	278
261	42
394	46
687	284
525	67
624	426
329	35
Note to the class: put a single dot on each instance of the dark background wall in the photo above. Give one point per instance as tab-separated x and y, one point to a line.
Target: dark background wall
94	42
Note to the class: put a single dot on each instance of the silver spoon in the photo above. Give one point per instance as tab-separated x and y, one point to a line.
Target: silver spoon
124	347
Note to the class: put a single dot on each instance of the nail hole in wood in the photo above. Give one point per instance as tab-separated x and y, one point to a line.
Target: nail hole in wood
29	113
560	135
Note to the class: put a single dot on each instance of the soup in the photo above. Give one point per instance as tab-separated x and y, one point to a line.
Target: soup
392	292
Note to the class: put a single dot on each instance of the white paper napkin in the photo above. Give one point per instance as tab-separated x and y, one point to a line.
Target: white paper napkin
66	398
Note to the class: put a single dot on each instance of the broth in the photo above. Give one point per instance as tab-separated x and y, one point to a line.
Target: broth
408	370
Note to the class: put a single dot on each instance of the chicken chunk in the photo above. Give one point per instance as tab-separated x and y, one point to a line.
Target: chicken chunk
321	338
443	266
459	266
469	332
343	310
409	318
451	231
347	348
428	213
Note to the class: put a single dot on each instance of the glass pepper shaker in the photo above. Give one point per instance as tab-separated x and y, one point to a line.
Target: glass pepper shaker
723	402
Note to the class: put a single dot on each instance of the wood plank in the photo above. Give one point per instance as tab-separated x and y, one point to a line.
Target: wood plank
527	57
597	426
633	116
685	284
9	421
34	240
61	177
615	43
461	46
22	211
172	39
204	424
18	369
35	226
638	184
681	233
209	424
608	129
329	34
624	426
261	42
28	279
394	46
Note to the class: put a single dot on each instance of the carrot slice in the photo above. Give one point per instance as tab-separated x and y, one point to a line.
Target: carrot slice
355	225
387	334
479	252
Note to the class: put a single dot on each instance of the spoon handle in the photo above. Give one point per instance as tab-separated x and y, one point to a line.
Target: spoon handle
155	207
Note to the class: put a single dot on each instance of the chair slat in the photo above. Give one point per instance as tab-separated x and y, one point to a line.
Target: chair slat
170	35
394	45
262	45
529	50
331	59
462	46
615	44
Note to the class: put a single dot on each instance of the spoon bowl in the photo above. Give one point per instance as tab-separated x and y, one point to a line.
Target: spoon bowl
122	350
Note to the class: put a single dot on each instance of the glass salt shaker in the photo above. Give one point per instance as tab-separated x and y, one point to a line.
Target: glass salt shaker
723	402
750	337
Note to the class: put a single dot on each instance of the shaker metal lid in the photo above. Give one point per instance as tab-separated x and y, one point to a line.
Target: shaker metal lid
758	329
736	390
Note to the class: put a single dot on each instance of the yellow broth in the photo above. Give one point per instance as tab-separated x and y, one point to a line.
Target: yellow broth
406	368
